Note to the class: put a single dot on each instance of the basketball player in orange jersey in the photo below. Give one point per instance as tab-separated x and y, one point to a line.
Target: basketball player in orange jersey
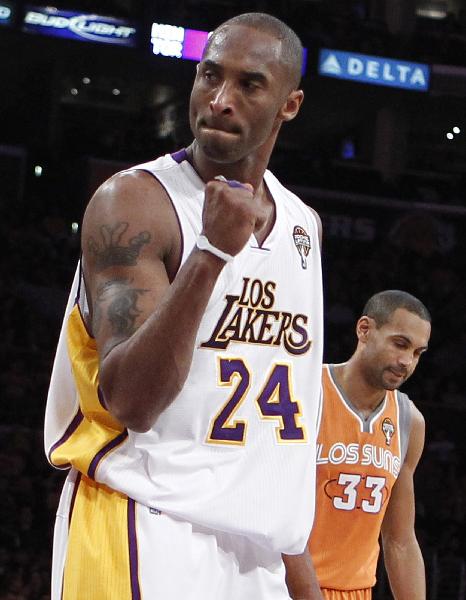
370	440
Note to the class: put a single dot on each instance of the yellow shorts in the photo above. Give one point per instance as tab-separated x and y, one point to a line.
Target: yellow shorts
365	594
109	547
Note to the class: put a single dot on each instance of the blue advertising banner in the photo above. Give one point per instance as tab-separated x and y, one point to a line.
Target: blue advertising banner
374	70
78	26
6	13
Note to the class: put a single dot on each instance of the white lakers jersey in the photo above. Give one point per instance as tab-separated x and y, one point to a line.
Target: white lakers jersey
235	451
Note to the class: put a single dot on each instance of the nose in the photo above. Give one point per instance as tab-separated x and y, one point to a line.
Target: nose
222	102
406	359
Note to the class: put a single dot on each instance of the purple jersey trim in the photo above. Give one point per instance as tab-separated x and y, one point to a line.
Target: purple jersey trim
70	515
68	433
105	450
73	498
180	155
235	184
133	551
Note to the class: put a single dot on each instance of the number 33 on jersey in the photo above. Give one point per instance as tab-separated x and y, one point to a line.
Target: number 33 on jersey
358	462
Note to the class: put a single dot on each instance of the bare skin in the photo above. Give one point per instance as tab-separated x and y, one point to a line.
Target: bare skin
143	318
301	578
385	358
402	555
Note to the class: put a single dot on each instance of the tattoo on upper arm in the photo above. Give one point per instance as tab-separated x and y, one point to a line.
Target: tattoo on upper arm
117	301
109	252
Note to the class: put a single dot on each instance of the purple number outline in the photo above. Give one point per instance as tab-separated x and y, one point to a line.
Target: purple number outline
231	434
284	408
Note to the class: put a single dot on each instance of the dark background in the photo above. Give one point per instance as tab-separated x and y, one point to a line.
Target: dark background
374	161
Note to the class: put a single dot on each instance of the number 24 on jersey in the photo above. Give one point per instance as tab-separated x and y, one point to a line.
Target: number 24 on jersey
275	402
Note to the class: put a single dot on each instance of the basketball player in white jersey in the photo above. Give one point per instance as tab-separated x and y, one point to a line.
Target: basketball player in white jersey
193	336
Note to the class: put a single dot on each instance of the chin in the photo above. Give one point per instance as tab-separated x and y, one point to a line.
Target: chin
219	153
218	147
391	386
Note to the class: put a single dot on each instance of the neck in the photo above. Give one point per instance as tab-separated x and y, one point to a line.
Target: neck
249	169
360	393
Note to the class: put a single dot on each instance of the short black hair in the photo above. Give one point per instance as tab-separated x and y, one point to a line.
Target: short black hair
382	305
292	48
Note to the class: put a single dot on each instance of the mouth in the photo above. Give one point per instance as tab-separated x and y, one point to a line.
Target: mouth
218	128
398	374
217	131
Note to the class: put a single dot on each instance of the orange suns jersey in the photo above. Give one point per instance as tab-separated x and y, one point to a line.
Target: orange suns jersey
358	461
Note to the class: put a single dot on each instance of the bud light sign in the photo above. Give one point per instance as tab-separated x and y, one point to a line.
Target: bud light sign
6	13
374	70
78	26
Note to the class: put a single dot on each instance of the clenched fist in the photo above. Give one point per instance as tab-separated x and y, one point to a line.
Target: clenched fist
230	215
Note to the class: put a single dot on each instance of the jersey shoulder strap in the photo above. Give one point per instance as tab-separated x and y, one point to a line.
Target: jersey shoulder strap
404	423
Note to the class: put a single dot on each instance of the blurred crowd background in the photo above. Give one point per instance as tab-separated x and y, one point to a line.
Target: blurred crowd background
375	162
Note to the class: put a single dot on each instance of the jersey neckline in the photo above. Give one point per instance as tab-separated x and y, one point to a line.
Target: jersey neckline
182	157
366	423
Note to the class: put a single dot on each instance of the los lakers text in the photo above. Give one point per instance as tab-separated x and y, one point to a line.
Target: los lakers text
252	318
355	454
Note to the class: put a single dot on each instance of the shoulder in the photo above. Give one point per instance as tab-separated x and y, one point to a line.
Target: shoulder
137	183
130	191
411	418
294	200
130	206
416	435
407	405
318	222
417	418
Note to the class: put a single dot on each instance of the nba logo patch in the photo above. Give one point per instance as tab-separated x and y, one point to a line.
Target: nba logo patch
303	244
388	429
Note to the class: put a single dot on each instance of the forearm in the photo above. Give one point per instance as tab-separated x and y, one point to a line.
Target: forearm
405	569
301	578
142	375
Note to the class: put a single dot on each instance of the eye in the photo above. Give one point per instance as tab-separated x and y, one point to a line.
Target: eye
400	344
249	85
208	75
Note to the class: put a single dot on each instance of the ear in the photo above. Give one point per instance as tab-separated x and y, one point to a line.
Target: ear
292	105
363	327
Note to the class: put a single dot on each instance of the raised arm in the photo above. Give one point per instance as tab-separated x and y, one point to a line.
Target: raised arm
402	555
145	319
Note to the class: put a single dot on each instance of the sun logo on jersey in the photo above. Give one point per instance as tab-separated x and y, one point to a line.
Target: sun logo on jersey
388	429
303	244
